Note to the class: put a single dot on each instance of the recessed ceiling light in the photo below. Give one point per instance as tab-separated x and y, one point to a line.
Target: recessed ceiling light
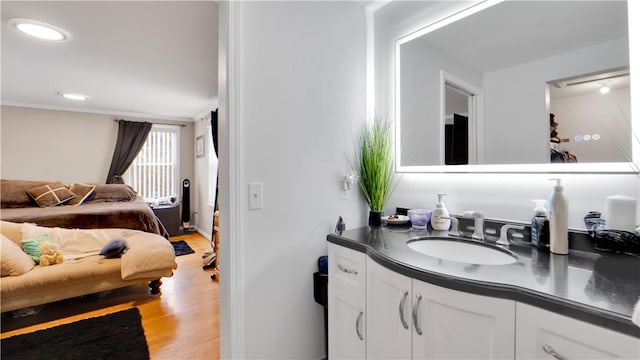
77	97
39	29
604	90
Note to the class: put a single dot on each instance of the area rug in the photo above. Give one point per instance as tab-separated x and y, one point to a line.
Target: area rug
182	248
114	336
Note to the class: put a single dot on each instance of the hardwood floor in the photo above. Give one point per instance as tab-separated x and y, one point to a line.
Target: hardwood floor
181	323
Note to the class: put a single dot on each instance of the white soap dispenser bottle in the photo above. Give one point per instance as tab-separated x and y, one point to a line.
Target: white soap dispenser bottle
440	216
558	220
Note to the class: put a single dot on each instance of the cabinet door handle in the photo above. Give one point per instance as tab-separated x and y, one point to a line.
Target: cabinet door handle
348	271
549	350
403	300
359	325
416	305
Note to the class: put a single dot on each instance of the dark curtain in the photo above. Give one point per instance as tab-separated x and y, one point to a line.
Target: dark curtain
214	136
131	138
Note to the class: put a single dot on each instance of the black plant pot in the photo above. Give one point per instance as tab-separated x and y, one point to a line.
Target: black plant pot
375	218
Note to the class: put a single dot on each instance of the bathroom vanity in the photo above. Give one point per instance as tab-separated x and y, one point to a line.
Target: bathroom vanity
387	300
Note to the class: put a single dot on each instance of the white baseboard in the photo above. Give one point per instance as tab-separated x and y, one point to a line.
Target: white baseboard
205	234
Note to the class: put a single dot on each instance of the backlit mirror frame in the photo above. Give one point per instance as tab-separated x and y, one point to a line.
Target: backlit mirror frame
611	168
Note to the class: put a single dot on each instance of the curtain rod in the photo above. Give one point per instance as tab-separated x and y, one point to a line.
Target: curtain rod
156	123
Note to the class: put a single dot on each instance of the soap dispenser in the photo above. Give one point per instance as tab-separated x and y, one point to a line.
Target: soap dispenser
440	216
558	220
540	226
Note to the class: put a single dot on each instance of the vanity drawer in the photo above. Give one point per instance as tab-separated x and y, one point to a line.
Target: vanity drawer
346	268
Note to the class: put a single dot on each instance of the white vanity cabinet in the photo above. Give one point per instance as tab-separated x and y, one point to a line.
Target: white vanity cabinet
389	325
408	318
346	303
376	313
541	334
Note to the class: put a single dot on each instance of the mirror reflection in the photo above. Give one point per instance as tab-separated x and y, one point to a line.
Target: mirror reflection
589	118
481	90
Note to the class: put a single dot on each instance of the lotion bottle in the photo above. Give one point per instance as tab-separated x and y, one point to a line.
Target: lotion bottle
540	226
559	220
440	216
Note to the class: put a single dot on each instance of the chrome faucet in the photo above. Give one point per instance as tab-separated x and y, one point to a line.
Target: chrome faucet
504	238
478	224
453	230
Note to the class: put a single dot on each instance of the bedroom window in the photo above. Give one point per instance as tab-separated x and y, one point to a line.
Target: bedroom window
154	173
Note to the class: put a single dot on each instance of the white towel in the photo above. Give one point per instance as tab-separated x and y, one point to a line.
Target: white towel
635	318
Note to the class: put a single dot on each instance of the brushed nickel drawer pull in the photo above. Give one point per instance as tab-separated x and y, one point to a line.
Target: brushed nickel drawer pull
416	306
549	350
348	271
403	300
359	325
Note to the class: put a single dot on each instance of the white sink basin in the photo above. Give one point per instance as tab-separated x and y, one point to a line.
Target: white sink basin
462	251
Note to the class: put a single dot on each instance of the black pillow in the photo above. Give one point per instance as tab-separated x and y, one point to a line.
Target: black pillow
114	248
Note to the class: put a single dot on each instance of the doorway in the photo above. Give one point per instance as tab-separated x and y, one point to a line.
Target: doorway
460	122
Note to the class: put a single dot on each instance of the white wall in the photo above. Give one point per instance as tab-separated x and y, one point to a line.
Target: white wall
294	98
67	146
503	196
204	179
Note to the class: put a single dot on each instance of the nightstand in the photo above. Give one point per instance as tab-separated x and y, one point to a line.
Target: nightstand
169	216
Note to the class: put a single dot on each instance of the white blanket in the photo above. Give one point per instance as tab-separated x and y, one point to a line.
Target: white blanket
147	252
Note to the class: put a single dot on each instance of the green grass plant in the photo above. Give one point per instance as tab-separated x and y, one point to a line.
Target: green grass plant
374	163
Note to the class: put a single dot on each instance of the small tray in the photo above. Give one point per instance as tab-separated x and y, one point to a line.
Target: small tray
396	219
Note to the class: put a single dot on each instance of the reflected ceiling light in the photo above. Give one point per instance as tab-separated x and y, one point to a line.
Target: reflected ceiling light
38	29
77	97
604	90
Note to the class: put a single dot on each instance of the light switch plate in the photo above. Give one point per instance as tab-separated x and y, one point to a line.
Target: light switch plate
255	196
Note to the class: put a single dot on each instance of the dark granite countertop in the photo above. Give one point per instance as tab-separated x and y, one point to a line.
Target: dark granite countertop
598	288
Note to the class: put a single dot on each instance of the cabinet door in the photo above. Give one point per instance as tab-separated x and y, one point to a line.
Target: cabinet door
450	324
542	334
388	313
346	303
346	325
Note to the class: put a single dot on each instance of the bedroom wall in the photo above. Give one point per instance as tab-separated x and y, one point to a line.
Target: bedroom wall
296	94
38	144
204	178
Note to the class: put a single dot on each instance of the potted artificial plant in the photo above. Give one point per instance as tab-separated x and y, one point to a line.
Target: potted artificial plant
374	166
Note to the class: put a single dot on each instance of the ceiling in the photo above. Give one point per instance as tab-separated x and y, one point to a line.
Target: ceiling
515	32
153	59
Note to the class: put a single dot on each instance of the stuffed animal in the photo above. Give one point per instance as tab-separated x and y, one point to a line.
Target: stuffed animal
50	254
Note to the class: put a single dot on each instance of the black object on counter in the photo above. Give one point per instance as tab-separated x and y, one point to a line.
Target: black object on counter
320	292
618	241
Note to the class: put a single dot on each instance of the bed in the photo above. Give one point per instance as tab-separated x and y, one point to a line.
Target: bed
105	206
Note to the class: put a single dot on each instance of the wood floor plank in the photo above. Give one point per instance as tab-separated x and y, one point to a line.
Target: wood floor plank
181	323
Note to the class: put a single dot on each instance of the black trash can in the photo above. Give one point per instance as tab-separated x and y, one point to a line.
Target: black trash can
320	285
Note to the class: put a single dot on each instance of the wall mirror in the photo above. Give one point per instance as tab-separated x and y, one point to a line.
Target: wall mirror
477	93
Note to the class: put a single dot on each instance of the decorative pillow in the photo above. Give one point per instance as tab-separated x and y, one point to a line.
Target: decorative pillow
32	247
50	194
114	248
82	191
13	260
112	192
